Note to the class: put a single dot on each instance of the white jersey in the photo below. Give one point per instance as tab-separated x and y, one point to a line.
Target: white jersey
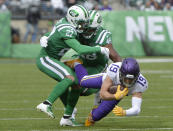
113	72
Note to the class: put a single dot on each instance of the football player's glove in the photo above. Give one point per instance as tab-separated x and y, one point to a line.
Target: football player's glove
43	41
105	51
120	93
118	111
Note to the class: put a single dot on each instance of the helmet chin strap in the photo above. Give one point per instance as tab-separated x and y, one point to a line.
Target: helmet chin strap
88	37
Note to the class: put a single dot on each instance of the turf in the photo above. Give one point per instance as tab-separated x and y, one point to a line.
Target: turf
23	86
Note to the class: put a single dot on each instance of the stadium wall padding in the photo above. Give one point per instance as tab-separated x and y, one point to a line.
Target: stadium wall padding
25	50
140	33
134	33
5	34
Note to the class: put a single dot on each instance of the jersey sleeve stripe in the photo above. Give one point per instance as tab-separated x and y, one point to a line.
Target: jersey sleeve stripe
98	39
103	37
59	29
60	26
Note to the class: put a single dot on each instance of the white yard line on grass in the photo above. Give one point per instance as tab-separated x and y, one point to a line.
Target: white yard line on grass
135	129
157	71
154	60
114	129
147	99
84	108
82	117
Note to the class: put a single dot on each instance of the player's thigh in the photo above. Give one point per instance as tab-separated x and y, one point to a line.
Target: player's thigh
54	68
92	81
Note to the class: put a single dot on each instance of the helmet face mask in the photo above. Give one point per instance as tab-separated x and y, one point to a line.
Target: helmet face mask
94	24
78	16
82	25
128	80
89	32
129	72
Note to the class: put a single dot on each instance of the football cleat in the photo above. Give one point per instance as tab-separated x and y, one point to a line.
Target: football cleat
70	63
46	109
89	121
69	122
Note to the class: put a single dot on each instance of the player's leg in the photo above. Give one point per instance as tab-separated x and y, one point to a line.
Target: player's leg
88	81
58	71
68	118
84	91
71	102
101	111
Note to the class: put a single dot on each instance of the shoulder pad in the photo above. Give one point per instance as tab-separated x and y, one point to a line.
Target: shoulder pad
105	37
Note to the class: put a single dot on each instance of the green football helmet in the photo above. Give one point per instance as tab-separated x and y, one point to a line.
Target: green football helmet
95	21
78	16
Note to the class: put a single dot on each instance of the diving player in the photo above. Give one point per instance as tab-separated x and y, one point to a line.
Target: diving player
125	73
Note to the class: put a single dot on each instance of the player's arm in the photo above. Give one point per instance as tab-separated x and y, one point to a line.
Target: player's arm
134	110
83	49
136	105
104	93
44	39
113	54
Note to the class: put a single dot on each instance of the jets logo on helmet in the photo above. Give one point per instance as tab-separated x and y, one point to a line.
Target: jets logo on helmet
95	22
78	16
99	20
73	13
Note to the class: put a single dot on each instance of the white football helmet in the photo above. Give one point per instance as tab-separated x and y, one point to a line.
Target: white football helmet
95	21
78	16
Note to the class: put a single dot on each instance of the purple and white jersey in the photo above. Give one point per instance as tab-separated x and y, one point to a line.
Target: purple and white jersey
113	72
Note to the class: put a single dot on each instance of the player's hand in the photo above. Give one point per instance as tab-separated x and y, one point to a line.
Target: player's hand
120	93
105	51
118	111
43	41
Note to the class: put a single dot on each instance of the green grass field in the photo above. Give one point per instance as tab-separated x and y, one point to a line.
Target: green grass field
23	86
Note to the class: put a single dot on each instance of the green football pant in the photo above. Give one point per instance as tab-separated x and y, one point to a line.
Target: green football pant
58	71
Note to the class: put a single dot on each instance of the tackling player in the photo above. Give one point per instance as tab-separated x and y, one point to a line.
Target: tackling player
60	40
127	74
94	63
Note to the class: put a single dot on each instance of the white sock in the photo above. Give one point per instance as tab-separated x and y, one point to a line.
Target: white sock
76	63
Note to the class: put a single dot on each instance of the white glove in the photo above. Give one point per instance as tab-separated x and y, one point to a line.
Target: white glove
43	41
105	51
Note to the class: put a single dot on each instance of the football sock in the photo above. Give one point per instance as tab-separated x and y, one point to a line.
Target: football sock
66	116
72	101
63	97
47	103
76	63
59	89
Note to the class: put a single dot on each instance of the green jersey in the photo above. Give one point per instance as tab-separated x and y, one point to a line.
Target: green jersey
62	38
101	38
56	44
